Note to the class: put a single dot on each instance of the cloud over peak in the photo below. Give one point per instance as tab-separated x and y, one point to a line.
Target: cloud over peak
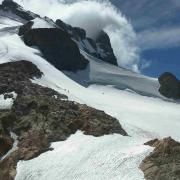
93	16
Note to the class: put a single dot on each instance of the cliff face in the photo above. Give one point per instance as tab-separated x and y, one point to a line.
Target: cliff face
57	47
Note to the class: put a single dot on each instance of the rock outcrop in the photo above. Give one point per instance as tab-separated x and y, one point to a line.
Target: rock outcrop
101	45
56	46
170	86
16	11
164	162
40	116
14	76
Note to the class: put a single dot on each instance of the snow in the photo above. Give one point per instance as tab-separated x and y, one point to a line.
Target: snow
86	157
7	103
6	22
42	23
130	97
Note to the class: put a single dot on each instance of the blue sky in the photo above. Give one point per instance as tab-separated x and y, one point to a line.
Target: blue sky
157	24
162	60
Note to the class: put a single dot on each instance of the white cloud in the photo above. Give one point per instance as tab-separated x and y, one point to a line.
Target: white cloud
93	16
159	38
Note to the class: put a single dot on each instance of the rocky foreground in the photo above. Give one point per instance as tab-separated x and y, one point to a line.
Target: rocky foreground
40	116
164	162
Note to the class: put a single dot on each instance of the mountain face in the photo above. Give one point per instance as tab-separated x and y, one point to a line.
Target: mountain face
74	37
67	111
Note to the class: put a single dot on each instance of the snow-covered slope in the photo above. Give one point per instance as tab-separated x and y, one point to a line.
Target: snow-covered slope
132	98
106	74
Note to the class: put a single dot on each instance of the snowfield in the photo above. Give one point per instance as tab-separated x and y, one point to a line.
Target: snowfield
86	157
132	98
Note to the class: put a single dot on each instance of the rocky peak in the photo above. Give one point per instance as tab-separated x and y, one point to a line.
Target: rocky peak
101	46
104	45
75	32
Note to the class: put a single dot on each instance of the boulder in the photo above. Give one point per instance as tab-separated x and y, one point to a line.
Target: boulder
169	85
164	162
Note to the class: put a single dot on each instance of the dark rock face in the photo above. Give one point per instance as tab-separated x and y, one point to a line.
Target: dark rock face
164	162
57	47
11	6
6	144
40	116
75	32
170	86
25	28
103	42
